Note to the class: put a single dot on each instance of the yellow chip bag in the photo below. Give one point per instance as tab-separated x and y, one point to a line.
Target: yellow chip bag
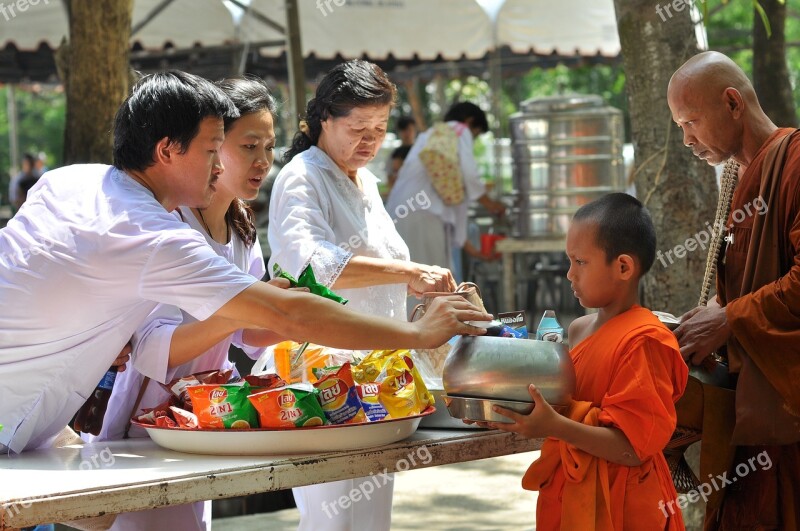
402	391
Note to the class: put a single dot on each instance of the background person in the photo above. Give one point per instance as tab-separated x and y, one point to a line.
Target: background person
433	234
406	130
755	318
27	170
108	250
326	211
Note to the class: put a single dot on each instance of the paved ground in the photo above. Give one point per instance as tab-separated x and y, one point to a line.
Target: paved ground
475	496
479	495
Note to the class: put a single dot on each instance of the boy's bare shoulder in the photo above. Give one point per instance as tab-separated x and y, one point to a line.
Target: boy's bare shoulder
579	329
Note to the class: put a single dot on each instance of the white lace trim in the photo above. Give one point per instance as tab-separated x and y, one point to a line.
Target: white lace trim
328	261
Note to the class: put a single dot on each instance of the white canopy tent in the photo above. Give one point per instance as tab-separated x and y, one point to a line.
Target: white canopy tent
451	29
183	23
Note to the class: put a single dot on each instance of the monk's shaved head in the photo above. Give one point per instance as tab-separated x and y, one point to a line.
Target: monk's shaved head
709	74
714	104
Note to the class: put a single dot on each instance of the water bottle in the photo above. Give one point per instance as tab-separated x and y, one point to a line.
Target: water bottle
549	328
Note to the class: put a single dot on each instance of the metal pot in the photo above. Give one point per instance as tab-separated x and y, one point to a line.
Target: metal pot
501	368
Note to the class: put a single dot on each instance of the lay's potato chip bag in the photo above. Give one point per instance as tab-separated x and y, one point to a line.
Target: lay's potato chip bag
402	391
339	398
292	406
369	394
223	405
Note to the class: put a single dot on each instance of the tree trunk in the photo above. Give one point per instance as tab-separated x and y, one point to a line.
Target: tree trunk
770	72
96	77
678	189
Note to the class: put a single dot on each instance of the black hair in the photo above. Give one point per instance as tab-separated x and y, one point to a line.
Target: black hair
352	84
463	111
168	105
30	158
249	94
26	183
404	122
401	152
623	226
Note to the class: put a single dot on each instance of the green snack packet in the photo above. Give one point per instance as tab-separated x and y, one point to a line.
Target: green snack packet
308	280
319	372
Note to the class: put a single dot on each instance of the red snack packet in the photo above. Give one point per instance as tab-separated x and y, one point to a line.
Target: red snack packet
263	382
215	377
184	419
166	422
149	415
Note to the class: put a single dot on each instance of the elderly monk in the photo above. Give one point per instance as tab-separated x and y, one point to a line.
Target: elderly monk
755	319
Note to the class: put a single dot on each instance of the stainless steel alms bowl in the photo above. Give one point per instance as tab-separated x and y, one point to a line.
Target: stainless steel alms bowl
482	409
502	368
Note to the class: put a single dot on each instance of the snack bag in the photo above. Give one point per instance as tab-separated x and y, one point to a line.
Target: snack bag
185	419
292	406
262	382
516	321
178	389
339	398
215	377
149	415
369	394
402	391
223	406
165	422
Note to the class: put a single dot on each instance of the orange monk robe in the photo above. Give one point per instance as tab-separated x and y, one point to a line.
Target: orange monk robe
629	374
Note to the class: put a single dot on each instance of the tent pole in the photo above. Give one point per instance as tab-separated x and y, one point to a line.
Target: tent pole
294	58
13	139
495	84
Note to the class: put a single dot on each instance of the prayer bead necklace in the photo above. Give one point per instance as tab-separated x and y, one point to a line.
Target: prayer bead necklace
727	185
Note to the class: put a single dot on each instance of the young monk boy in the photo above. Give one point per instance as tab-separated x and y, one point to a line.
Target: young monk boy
602	467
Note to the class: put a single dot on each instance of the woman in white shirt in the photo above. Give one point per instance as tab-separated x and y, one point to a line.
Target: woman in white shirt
325	210
171	340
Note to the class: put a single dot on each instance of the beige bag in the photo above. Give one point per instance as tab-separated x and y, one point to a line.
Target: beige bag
434	358
441	161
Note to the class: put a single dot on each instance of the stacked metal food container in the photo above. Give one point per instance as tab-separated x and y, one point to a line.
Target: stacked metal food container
567	151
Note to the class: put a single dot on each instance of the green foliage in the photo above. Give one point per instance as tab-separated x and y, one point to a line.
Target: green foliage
40	127
730	30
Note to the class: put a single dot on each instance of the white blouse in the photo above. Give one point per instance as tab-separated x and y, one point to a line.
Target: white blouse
318	216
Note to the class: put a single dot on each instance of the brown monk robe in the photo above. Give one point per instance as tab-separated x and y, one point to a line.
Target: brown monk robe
758	290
